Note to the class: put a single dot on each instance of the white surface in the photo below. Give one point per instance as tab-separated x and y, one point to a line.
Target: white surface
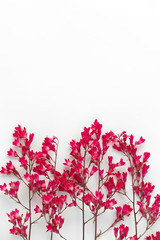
65	63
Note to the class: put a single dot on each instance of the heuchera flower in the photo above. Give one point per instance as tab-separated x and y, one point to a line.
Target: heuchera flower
18	223
37	209
123	211
40	177
10	168
142	190
121	233
154	237
89	161
56	224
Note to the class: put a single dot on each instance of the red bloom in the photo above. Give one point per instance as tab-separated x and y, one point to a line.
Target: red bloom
4	188
122	230
67	163
10	168
14	187
93	170
27	217
56	224
123	211
110	185
20	132
37	209
12	153
146	155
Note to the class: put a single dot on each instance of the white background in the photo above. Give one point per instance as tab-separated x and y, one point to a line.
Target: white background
65	63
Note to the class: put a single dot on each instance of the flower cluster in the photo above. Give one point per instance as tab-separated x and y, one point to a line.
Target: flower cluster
88	157
37	173
92	178
138	167
154	237
19	227
121	233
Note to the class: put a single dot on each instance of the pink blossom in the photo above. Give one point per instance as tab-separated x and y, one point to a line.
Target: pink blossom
12	153
27	217
140	141
20	132
37	209
93	170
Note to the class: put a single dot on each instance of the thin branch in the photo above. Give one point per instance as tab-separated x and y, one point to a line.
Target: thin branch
37	219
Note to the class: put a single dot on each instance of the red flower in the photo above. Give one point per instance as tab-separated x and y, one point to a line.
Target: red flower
93	170
140	141
122	230
37	209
